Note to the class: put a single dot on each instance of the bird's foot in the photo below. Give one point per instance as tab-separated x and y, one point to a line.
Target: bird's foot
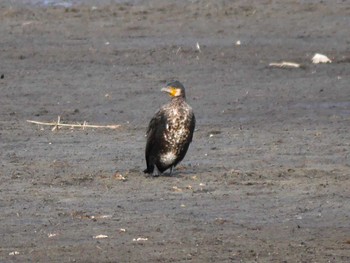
156	172
171	170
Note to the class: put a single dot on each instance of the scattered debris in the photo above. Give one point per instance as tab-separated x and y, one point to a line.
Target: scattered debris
101	216
198	47
177	189
285	64
178	50
83	215
58	124
238	43
122	230
120	177
13	253
140	239
27	23
220	220
49	235
100	236
235	172
319	58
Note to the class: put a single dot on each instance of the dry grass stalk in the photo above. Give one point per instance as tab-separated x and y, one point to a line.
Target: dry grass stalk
58	124
285	64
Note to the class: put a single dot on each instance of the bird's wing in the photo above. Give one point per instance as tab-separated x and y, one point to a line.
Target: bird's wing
192	126
157	122
154	131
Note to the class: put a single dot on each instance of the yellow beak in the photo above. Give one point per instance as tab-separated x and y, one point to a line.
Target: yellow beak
172	91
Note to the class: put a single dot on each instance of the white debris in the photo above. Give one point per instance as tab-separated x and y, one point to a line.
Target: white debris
198	47
51	235
104	216
13	253
319	58
285	64
100	236
27	23
101	216
177	189
238	43
178	50
120	177
140	239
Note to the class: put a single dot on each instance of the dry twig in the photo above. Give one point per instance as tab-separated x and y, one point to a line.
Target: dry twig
84	125
285	64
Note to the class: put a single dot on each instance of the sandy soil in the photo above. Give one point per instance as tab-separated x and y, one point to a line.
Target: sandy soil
266	178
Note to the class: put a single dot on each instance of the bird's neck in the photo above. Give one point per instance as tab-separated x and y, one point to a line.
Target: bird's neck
179	98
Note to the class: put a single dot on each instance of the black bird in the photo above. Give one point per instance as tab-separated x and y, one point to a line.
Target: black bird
169	132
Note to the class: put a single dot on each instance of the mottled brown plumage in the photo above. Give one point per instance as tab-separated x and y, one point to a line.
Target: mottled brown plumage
170	132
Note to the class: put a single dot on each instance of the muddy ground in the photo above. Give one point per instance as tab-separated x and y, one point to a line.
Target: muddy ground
266	178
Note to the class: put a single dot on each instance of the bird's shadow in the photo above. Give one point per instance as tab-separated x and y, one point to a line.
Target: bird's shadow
165	175
179	173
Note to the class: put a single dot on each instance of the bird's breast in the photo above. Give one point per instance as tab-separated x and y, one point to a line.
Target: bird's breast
177	126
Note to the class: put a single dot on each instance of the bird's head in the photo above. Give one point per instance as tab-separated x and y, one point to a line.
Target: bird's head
175	89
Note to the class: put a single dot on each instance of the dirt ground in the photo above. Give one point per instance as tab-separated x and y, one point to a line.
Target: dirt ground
266	178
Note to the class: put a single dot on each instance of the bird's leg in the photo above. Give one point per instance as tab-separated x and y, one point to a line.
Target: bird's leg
155	171
171	170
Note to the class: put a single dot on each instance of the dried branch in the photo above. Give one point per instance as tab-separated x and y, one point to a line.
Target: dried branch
79	125
285	64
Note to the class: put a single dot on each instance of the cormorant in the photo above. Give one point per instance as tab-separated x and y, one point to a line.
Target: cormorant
169	132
